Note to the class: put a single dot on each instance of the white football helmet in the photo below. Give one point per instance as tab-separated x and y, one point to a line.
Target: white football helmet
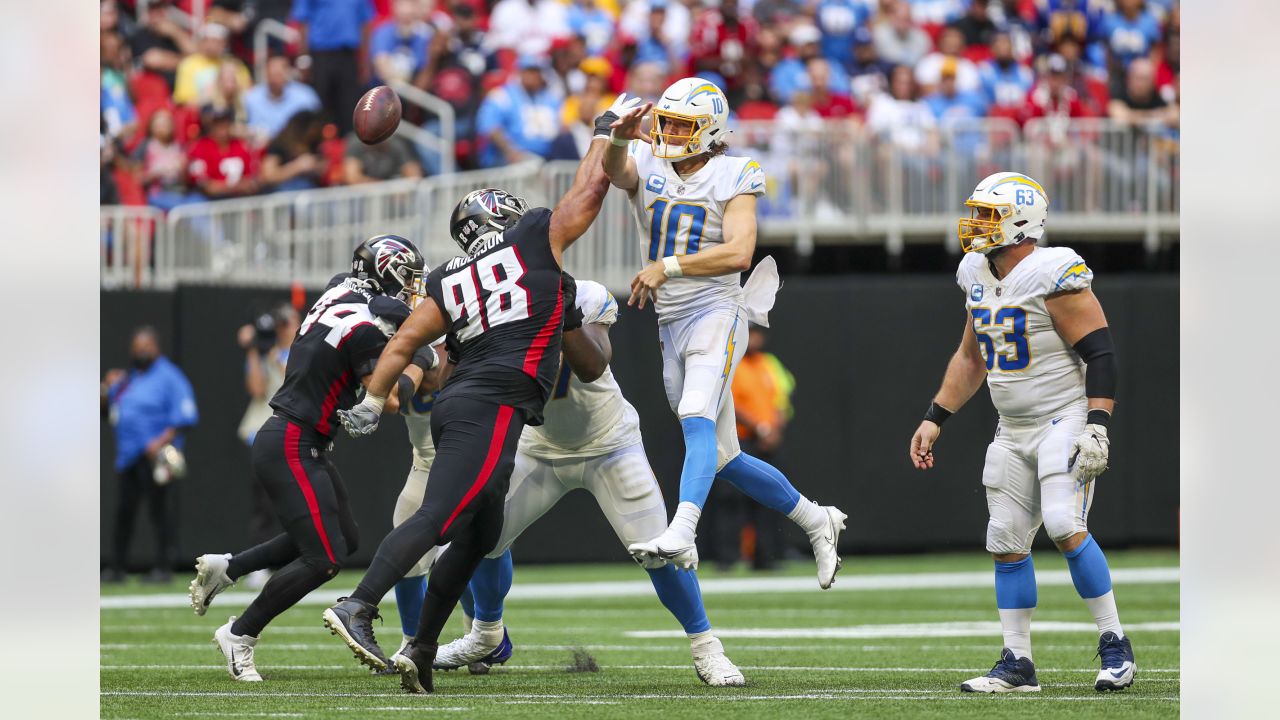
1004	209
688	100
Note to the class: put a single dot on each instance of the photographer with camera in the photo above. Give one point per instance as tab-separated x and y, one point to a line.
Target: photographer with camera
266	349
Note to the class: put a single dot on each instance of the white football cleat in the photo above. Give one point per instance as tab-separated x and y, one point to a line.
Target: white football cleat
713	666
825	542
211	579
468	649
238	652
670	547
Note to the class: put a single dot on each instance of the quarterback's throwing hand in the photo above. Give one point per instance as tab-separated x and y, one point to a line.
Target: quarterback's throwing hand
361	419
627	126
922	444
1089	453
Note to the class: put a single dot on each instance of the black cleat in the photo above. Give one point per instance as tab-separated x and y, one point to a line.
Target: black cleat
414	664
352	620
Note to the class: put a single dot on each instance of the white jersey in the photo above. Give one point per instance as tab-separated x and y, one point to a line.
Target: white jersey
1031	371
585	419
682	216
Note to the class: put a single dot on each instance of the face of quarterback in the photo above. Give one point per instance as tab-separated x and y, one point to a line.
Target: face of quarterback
676	132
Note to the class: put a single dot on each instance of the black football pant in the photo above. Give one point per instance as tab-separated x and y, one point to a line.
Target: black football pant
335	78
290	462
475	452
135	483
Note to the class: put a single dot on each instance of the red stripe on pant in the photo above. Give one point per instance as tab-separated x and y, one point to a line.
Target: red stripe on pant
490	462
292	433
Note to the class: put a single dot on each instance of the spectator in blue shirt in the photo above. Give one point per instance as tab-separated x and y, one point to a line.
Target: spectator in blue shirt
791	74
149	405
837	20
520	118
593	24
1004	81
654	46
270	104
332	33
1127	34
398	48
949	104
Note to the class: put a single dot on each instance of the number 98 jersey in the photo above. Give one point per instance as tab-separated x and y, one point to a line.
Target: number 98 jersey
1031	371
681	216
505	307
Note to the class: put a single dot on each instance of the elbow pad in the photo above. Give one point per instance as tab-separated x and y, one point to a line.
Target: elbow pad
1099	354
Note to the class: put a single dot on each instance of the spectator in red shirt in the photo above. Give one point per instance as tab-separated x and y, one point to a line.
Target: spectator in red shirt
826	103
221	165
723	42
1053	96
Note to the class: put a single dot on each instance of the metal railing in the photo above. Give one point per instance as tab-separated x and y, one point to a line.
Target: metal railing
830	183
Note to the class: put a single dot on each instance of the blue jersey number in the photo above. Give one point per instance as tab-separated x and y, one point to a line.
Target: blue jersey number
669	231
1012	323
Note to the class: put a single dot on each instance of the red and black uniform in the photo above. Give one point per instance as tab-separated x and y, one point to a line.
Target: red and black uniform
337	344
505	306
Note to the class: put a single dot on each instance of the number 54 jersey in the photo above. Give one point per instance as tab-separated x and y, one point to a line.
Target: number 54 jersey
682	216
1031	371
505	306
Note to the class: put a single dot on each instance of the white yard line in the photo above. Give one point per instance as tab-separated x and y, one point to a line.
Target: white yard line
951	695
665	648
642	588
560	668
912	630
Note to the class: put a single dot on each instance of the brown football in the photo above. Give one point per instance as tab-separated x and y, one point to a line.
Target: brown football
377	115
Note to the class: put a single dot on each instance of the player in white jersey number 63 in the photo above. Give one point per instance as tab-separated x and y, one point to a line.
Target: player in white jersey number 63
697	211
1036	332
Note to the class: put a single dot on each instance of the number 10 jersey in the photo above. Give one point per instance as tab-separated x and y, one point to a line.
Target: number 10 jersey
682	216
505	306
1031	371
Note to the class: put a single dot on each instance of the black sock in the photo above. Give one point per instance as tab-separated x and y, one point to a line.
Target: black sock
276	552
282	591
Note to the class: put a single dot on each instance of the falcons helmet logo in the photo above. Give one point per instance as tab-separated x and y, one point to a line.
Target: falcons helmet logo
390	251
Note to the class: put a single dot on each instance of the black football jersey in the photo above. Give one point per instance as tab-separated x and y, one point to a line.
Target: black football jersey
505	307
337	344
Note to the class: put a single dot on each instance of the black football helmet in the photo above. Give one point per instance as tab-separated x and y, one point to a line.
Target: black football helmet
389	264
481	214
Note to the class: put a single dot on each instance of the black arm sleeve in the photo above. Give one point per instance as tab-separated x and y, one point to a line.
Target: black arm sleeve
1099	354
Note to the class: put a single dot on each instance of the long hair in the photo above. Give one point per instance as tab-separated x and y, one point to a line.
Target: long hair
302	134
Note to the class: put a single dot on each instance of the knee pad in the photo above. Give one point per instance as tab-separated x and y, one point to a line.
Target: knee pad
1004	539
1060	523
321	566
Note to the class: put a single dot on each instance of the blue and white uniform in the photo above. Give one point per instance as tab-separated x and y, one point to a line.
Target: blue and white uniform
1037	385
702	321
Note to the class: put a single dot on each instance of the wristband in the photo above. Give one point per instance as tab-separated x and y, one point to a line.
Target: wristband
671	266
937	414
603	123
620	142
374	401
1098	417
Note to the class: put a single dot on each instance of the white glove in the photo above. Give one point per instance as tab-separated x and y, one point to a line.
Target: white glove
363	417
622	107
1089	452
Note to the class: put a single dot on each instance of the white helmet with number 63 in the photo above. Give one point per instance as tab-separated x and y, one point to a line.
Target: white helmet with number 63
1005	209
688	119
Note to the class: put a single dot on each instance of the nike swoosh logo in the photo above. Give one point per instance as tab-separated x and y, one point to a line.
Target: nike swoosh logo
1055	421
668	554
1117	674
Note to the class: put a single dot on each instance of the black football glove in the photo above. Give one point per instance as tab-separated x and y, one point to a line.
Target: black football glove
572	313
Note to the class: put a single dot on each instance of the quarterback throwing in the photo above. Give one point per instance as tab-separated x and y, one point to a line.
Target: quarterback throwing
1036	332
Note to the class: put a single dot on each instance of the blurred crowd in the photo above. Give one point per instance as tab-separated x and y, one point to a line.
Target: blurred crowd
184	120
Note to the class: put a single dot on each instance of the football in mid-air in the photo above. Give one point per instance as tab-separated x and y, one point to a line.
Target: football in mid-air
377	115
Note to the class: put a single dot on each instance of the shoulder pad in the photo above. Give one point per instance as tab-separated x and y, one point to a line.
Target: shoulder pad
750	178
597	303
389	309
336	280
1063	271
965	273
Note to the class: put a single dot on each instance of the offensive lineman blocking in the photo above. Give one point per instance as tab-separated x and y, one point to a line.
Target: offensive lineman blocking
698	208
1037	333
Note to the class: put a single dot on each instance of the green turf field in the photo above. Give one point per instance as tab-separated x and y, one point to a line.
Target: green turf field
870	651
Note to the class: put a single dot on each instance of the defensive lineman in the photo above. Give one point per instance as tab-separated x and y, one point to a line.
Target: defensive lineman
502	307
336	346
590	439
1037	333
696	207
